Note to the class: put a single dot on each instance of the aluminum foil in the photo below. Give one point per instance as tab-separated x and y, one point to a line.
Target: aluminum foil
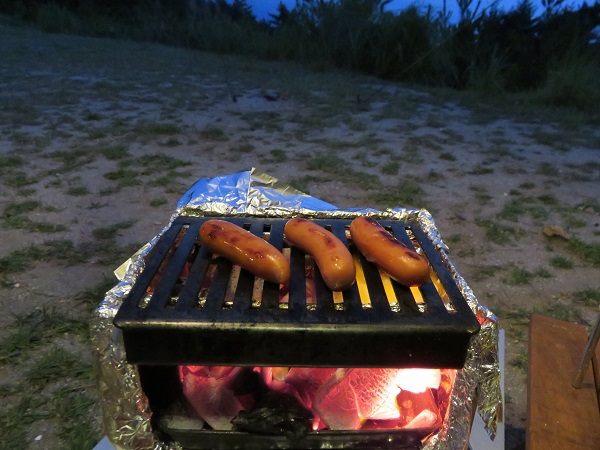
126	413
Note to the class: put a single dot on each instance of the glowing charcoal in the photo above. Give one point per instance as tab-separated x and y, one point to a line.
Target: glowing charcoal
419	410
307	381
208	392
418	380
426	419
352	396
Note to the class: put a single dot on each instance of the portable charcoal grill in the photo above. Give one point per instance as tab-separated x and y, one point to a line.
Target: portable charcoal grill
189	307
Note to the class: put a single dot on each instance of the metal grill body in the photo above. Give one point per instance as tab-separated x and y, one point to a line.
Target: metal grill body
181	322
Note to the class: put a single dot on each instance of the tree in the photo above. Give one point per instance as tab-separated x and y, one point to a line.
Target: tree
552	7
281	18
240	10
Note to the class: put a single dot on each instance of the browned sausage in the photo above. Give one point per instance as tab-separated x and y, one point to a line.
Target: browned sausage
380	247
331	255
246	250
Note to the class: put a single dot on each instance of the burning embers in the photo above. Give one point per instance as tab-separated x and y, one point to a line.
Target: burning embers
295	401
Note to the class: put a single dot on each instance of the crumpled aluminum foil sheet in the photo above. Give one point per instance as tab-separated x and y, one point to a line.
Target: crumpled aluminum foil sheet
126	413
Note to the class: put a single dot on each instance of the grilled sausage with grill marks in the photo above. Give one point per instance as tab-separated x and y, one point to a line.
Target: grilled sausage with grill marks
246	250
380	247
330	254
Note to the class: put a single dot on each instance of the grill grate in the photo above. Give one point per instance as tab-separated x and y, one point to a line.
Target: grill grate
191	307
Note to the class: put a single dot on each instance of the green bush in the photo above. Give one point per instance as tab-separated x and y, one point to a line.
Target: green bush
572	83
54	18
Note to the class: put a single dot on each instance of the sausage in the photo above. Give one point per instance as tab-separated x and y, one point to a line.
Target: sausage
330	254
246	250
380	247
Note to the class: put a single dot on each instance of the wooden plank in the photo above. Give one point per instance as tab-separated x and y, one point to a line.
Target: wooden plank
560	416
595	364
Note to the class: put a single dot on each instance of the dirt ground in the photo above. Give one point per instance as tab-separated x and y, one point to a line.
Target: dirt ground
99	139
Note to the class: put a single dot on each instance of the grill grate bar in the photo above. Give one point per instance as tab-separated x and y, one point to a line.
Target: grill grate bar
406	301
218	287
352	300
270	291
325	304
297	286
242	301
448	282
435	305
377	294
167	283
353	305
158	255
189	294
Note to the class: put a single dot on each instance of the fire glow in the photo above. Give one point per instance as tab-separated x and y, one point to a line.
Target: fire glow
298	400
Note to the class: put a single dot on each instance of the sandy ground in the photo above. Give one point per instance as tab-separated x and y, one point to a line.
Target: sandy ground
102	137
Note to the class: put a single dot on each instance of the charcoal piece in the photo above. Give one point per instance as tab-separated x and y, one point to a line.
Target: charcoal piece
207	390
247	382
354	395
419	410
277	414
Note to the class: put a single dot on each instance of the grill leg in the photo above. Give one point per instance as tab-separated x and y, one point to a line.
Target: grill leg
587	354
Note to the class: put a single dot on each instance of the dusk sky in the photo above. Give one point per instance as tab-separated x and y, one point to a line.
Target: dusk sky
263	7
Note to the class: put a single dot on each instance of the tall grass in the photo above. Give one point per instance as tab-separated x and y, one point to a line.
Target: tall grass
56	18
573	82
